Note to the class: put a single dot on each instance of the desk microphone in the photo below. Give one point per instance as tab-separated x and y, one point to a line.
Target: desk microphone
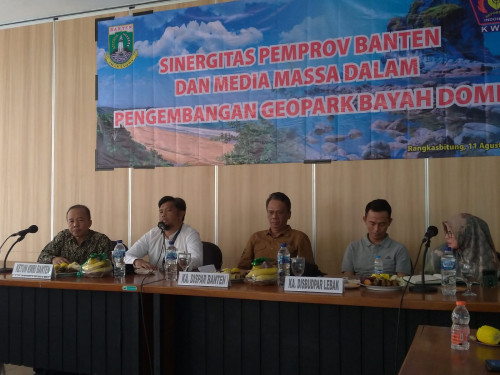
431	232
24	232
21	234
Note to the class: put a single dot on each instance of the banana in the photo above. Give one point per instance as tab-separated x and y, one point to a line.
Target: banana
95	265
266	271
74	266
105	268
381	276
262	271
265	277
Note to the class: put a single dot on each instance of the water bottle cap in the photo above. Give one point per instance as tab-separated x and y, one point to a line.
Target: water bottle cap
460	303
118	241
171	242
377	256
283	244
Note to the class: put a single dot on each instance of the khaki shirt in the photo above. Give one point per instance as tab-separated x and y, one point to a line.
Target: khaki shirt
263	244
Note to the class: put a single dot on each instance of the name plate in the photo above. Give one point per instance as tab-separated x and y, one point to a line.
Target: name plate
32	271
218	280
330	285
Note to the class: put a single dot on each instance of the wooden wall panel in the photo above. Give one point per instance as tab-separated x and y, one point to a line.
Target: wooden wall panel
193	184
344	189
25	136
76	181
465	185
243	191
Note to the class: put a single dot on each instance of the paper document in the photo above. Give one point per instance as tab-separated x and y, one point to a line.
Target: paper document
429	279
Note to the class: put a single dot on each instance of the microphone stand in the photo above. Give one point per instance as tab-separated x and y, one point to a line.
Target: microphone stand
5	269
3	243
422	288
163	249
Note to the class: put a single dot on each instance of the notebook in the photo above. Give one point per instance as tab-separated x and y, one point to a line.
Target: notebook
429	279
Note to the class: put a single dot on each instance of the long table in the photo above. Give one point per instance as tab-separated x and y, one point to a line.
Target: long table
74	325
430	353
95	326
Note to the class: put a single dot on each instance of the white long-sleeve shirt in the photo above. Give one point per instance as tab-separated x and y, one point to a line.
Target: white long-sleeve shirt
154	244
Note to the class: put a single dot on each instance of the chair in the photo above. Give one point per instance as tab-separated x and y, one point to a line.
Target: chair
212	254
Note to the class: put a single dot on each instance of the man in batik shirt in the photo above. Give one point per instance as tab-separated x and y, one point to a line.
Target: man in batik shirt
76	243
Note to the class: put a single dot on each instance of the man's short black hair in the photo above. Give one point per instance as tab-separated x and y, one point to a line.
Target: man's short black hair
278	196
179	203
379	205
79	206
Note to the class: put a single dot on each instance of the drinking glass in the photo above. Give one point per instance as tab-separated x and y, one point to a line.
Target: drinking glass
184	260
298	265
469	273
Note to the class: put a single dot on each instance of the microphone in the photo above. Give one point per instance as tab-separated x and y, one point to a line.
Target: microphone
21	234
162	226
24	232
431	232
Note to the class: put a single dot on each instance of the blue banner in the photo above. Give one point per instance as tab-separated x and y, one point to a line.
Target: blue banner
285	81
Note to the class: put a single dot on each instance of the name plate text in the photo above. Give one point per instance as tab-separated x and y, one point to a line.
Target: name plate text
218	280
330	285
32	271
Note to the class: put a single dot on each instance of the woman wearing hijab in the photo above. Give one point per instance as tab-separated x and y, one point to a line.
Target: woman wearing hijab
470	239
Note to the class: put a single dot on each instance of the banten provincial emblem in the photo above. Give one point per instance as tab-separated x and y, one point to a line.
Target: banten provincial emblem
121	46
486	12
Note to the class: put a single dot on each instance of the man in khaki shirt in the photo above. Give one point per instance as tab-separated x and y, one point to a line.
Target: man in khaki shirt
266	243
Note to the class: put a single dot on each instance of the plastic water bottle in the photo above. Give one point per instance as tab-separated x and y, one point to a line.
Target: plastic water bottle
448	273
460	328
171	262
378	265
119	259
283	264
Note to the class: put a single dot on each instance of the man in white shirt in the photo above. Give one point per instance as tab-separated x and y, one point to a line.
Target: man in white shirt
171	227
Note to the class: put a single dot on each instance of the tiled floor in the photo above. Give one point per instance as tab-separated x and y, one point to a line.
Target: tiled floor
16	370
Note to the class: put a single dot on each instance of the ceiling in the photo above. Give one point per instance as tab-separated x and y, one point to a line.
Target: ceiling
18	12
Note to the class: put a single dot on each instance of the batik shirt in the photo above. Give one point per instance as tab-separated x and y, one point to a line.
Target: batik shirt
65	245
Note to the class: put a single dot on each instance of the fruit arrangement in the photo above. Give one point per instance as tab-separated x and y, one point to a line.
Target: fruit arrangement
234	273
383	280
488	335
262	271
263	274
66	268
97	265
